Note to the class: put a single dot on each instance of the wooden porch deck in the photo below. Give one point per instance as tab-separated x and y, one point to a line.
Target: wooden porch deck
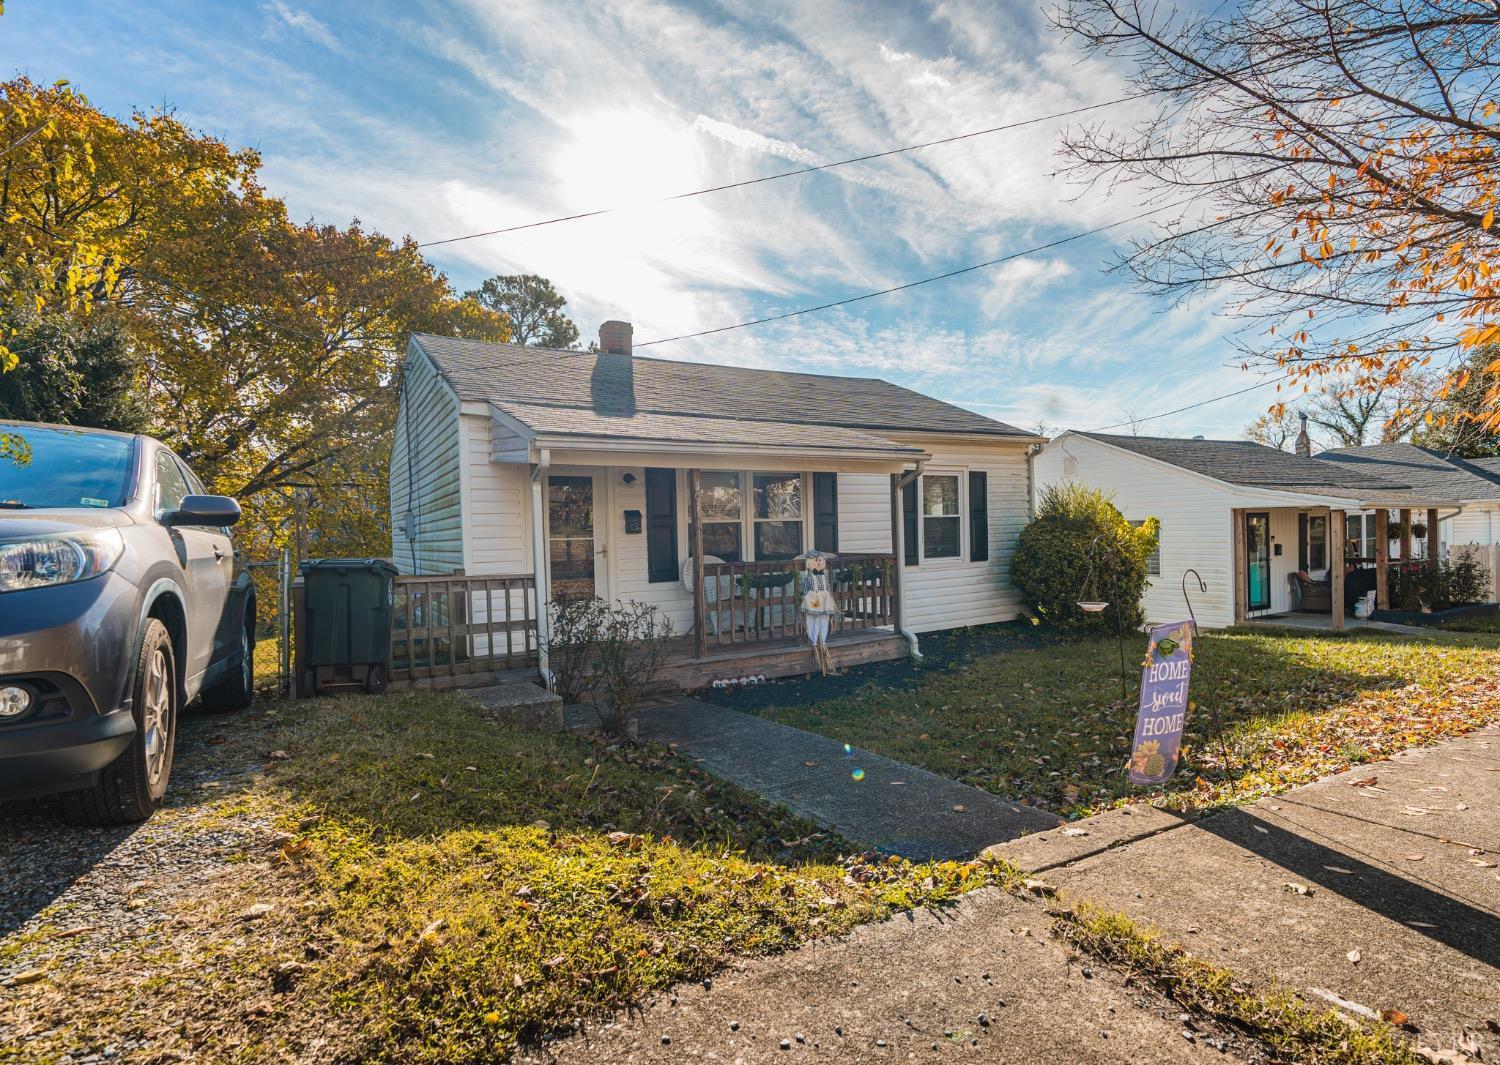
782	657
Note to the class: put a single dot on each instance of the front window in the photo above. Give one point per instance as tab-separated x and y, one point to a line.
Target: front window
778	515
50	467
722	503
1317	541
941	528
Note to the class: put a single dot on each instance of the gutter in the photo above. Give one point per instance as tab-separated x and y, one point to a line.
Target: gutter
901	483
539	565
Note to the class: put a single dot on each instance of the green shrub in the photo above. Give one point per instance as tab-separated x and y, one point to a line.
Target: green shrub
607	653
1079	546
1457	583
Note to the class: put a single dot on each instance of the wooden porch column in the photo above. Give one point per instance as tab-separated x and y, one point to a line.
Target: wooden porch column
1382	559
1432	541
1338	532
1405	534
695	517
1240	572
898	552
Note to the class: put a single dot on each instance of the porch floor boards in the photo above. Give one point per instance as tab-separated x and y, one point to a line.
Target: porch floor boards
784	657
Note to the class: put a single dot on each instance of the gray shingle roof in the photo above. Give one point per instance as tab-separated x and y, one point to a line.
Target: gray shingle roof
644	425
618	390
1425	470
1391	473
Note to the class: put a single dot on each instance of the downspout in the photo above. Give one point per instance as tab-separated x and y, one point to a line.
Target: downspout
898	519
539	564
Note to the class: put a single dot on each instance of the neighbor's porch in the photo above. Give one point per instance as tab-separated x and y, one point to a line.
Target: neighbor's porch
1308	566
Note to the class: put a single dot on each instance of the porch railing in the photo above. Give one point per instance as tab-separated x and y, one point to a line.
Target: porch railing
456	626
750	602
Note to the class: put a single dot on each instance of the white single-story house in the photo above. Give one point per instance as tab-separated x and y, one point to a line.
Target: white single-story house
598	472
1261	526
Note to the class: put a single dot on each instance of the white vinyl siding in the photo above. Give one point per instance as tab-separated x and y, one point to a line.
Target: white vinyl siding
1196	521
497	502
425	473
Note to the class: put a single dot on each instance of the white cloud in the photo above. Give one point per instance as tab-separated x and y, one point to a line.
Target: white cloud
304	23
1018	279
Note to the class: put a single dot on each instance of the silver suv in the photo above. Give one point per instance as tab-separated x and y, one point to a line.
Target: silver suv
122	598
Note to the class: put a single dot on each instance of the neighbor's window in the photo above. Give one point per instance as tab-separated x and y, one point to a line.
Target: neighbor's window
778	515
1317	541
940	517
1153	560
721	500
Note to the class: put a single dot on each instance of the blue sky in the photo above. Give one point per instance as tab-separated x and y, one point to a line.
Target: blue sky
439	119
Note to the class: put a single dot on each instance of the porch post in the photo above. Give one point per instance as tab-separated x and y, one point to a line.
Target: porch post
1382	559
1338	532
898	551
695	517
1405	534
1240	570
540	575
1432	540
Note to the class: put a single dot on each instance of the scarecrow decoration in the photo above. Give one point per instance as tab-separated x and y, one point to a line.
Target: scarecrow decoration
818	606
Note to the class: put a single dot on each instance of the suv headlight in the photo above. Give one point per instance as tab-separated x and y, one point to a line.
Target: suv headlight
61	558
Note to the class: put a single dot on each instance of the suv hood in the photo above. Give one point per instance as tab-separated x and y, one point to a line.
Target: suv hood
25	524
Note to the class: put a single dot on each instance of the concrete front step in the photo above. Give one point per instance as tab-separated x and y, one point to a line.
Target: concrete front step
525	704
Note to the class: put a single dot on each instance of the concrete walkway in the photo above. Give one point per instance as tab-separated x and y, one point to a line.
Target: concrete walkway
1380	886
875	802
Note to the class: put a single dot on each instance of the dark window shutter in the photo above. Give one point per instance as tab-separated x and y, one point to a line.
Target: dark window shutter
826	511
909	522
979	516
1302	541
661	525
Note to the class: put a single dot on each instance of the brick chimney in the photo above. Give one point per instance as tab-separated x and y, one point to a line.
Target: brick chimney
1304	442
616	338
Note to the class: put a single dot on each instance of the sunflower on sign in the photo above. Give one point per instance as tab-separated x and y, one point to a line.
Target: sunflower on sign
1147	761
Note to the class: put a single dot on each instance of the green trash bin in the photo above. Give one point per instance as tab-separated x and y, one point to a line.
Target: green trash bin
347	604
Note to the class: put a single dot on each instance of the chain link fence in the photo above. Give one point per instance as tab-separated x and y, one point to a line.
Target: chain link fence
273	623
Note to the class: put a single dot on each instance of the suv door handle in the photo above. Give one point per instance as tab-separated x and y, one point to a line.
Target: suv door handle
218	553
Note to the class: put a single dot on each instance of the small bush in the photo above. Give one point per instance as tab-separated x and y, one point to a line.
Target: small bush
1080	546
607	654
1458	582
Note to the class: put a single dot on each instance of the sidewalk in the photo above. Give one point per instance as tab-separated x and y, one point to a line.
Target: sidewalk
1380	886
875	802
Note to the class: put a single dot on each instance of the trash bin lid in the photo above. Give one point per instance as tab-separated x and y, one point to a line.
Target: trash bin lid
381	565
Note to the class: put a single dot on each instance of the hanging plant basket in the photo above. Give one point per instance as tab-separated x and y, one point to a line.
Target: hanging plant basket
1395	530
1419	530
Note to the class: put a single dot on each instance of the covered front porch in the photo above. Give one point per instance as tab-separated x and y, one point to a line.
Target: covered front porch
715	538
1309	565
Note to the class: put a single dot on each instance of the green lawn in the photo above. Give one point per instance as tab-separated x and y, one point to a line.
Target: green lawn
487	883
1477	623
1047	725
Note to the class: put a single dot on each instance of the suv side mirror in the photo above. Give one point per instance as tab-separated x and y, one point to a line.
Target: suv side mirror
203	510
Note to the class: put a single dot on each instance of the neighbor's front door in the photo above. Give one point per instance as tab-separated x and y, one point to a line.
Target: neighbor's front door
1258	560
574	550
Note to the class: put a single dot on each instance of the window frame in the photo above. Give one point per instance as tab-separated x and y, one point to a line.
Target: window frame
1154	558
960	475
747	520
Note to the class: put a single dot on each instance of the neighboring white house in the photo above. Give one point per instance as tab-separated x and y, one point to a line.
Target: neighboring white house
505	454
1260	525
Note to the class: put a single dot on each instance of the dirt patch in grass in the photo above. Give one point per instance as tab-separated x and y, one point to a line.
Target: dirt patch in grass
1046	723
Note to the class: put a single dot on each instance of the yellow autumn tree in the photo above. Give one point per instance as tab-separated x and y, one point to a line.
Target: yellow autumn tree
269	347
1336	159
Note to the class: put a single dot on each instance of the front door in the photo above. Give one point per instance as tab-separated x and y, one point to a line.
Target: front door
1258	561
574	554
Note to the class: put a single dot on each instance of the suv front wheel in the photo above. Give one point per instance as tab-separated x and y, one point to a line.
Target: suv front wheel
132	786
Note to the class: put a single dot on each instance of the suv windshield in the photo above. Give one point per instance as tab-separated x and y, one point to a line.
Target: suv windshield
41	466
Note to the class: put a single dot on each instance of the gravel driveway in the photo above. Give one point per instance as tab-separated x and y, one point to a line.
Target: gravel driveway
188	918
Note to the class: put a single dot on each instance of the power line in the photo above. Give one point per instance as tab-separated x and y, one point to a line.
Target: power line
922	281
1190	406
792	173
580	215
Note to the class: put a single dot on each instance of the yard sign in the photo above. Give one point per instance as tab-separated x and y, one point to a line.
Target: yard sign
1164	703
